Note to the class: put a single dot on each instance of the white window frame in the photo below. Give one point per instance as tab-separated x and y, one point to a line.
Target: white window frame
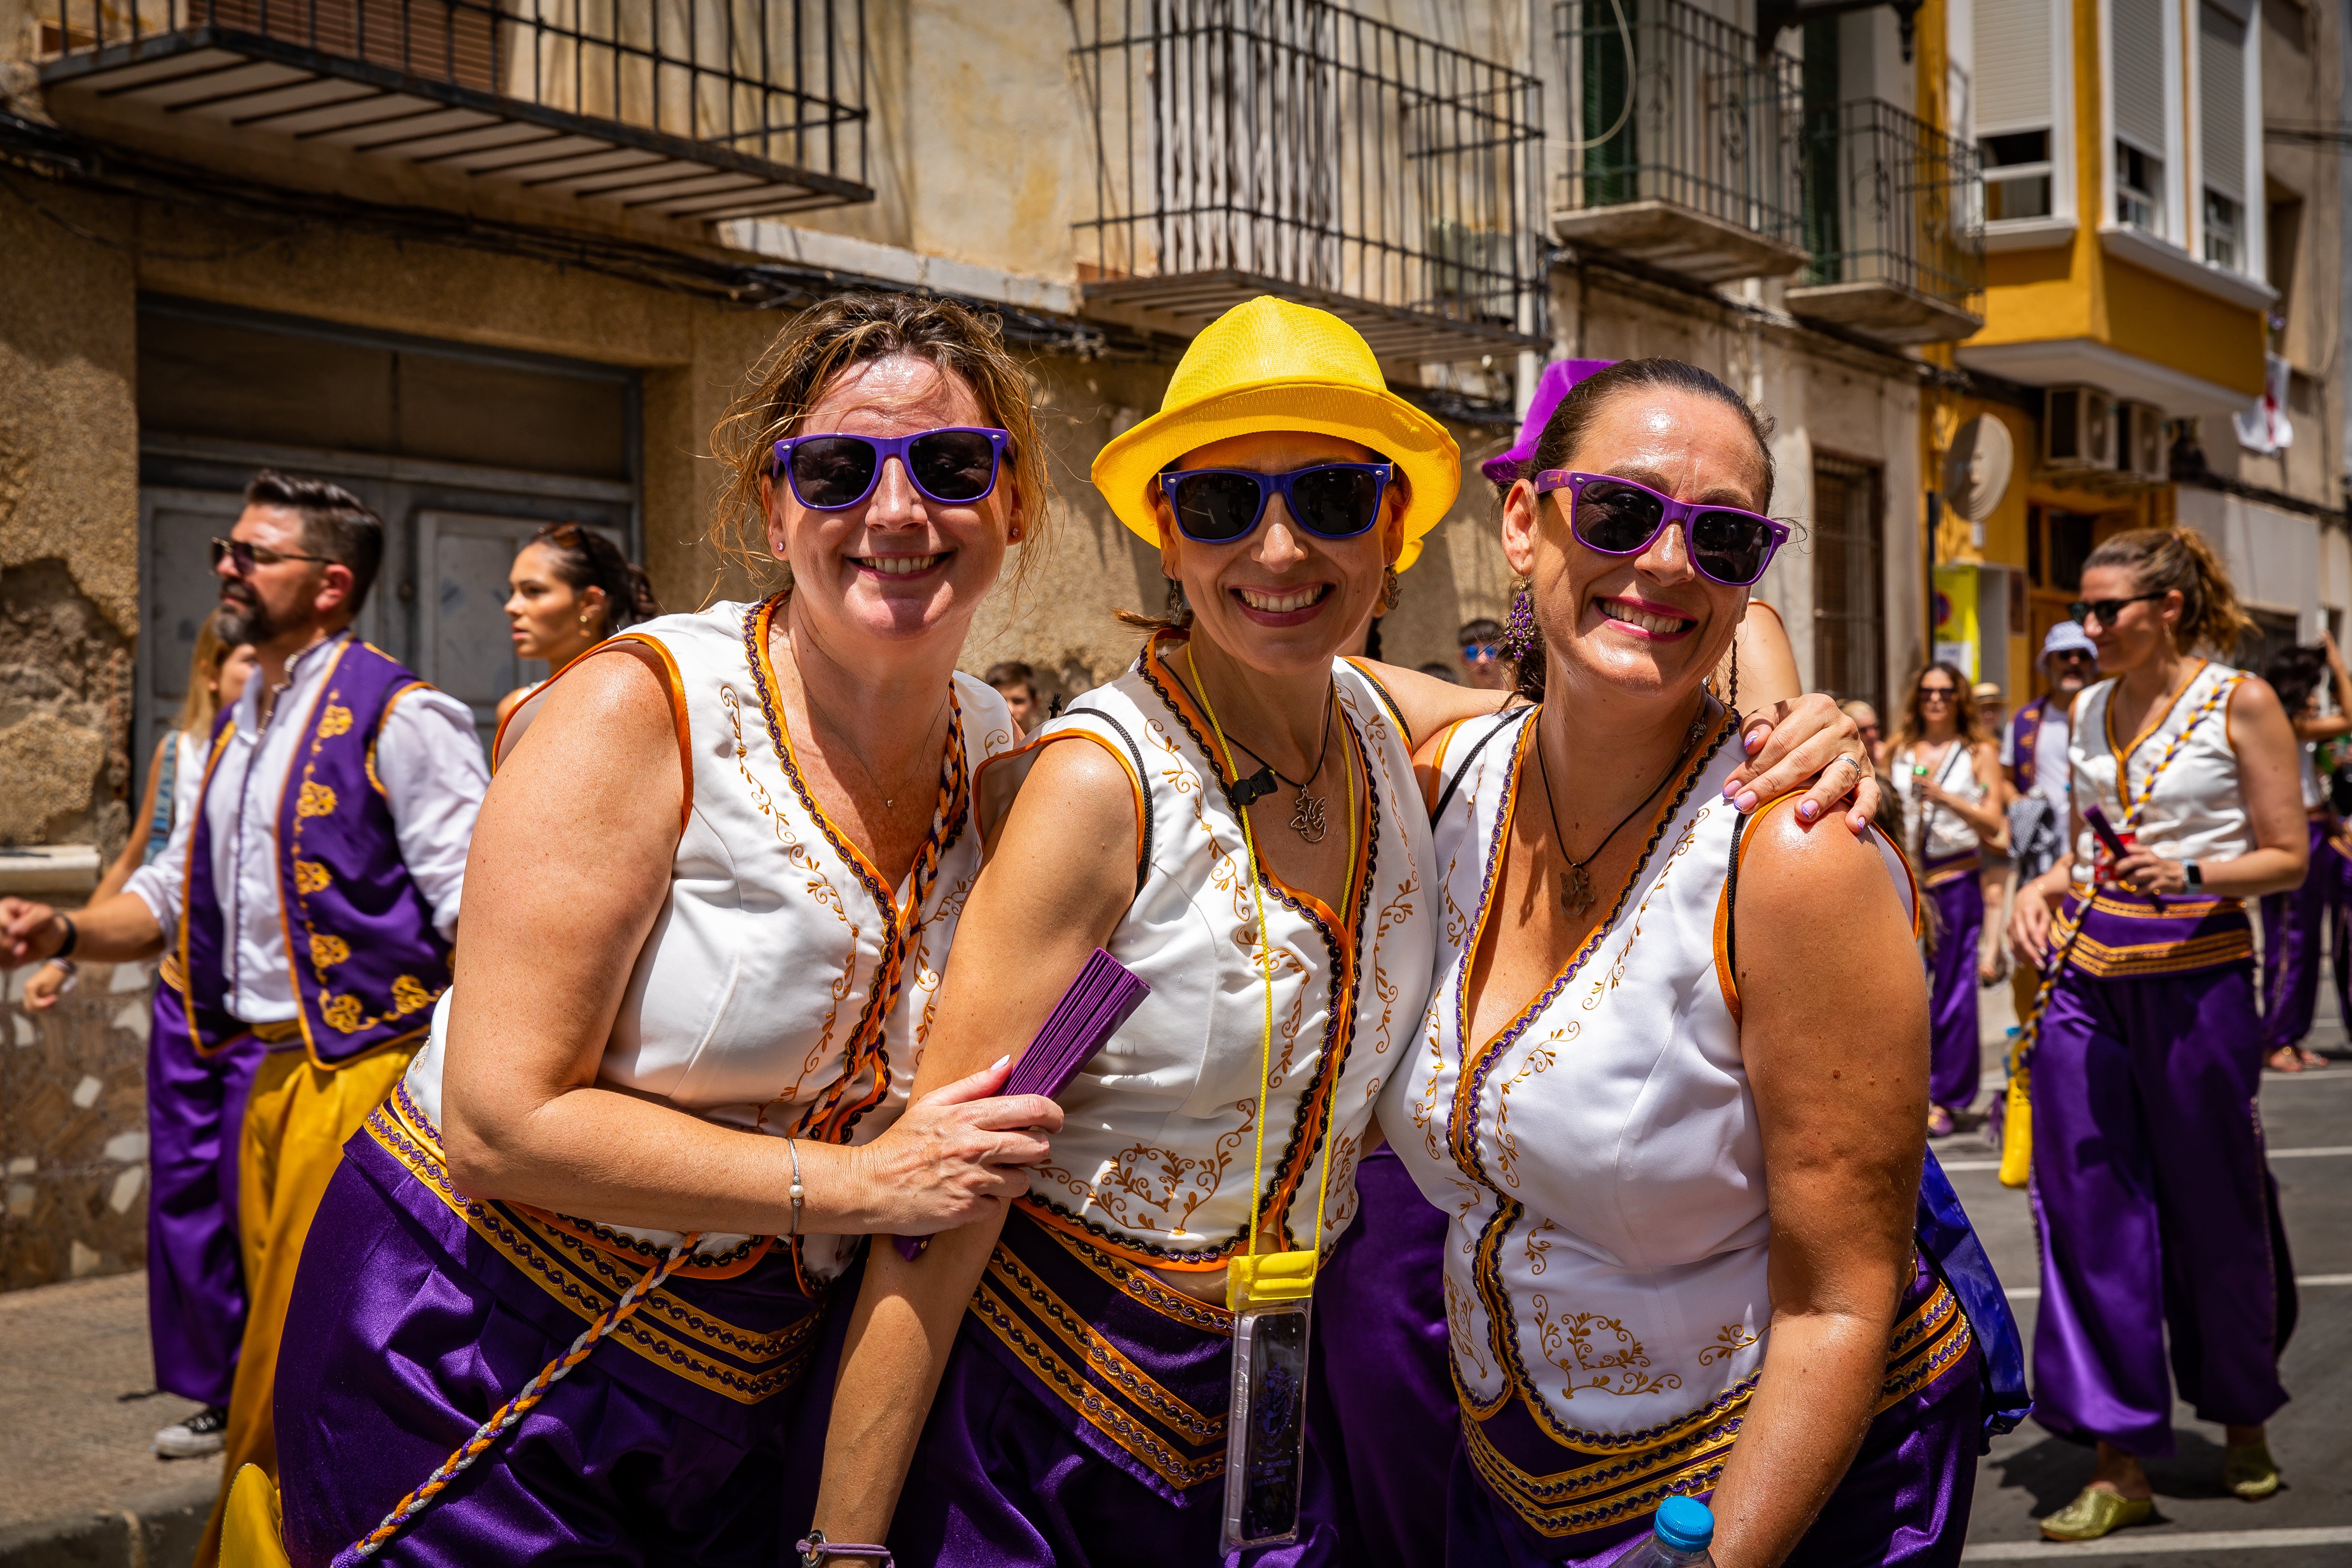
2254	214
2024	234
2173	224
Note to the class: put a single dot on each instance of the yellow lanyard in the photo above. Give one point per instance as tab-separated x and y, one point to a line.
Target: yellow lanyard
1279	1276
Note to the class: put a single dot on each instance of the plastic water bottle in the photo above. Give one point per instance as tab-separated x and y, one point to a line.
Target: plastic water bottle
1678	1538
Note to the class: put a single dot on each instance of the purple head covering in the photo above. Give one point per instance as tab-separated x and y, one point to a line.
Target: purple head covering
1558	377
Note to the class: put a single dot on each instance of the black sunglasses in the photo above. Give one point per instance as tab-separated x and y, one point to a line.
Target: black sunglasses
1330	500
954	465
2106	610
1618	517
248	556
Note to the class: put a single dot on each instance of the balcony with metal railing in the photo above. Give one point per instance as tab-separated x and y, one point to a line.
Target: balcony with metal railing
695	110
1289	147
1893	223
1682	142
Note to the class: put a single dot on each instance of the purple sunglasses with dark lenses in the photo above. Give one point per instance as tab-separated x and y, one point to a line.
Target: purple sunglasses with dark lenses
1330	500
1618	517
954	465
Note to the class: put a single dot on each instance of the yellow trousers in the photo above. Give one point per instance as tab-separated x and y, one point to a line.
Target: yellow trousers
296	1123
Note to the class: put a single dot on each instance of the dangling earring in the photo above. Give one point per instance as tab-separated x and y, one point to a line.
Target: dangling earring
1519	638
1179	610
1733	703
1389	588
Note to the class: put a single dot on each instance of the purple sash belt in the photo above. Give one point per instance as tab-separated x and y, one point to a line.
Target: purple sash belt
1604	1481
2130	936
722	1337
1137	1371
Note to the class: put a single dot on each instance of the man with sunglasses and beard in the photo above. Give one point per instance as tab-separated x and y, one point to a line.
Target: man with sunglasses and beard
337	799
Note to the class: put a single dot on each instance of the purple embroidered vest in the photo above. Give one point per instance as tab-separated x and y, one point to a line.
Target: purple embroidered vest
364	959
2024	734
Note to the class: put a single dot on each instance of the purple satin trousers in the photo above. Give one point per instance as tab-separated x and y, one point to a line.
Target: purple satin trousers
1379	1304
2156	1209
1955	1054
2294	937
195	1276
406	1329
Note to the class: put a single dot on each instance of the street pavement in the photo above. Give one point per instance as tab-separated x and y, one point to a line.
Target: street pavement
2308	1118
77	1406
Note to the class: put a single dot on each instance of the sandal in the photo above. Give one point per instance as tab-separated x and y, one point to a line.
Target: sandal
2286	1058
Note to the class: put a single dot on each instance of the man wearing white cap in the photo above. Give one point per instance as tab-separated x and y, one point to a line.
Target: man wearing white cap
2039	799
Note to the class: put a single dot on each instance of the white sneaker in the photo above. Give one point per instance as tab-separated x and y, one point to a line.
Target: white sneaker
199	1435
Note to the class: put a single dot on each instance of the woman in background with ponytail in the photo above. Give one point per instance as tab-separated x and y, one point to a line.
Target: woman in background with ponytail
1947	770
571	589
2149	1183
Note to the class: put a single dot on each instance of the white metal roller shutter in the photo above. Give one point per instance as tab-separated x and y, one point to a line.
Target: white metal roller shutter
2136	54
2012	65
2222	100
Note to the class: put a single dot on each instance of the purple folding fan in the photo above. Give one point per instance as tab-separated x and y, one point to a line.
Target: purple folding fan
1103	996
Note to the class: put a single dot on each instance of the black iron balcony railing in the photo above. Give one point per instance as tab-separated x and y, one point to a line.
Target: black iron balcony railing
1889	198
1669	104
702	109
1294	148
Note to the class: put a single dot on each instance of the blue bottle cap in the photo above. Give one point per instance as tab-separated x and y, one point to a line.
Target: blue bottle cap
1684	1524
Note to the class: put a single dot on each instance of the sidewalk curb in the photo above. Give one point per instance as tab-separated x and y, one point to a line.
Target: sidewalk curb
158	1530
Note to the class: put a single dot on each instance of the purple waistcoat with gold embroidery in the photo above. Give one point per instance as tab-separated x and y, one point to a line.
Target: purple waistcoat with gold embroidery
365	961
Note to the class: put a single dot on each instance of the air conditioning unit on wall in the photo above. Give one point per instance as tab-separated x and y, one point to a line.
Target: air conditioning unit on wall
2078	430
2142	449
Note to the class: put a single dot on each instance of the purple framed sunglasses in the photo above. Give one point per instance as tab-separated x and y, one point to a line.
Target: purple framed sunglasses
954	465
1618	517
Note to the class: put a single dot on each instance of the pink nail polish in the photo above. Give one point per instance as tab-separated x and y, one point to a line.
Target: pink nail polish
1746	800
1807	811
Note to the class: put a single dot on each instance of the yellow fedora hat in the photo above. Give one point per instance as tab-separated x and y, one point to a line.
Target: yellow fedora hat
1268	365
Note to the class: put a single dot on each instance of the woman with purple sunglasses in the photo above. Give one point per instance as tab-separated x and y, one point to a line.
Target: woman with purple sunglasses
667	1096
1671	1086
1237	819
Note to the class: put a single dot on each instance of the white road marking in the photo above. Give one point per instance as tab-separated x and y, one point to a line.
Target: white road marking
2332	1150
2136	1543
2029	1293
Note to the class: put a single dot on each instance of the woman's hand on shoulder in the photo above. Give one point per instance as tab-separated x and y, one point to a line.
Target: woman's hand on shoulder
1810	744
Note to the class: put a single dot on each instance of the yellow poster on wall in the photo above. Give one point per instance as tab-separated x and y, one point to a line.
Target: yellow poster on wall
1957	637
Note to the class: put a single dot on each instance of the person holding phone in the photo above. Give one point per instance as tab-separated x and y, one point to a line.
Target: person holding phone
2154	1201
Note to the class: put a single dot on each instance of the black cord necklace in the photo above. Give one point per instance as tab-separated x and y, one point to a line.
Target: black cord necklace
1576	898
1307	816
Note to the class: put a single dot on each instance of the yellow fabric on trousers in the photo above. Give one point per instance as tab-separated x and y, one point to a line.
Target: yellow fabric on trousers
253	1535
297	1120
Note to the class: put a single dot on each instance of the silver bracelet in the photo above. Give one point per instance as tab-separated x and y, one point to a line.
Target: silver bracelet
798	1192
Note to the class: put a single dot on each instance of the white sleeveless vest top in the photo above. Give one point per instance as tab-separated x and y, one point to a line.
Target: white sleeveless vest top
1155	1154
1948	833
2185	799
783	988
1600	1158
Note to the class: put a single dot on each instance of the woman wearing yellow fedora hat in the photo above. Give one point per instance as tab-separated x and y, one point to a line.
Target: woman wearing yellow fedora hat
1246	833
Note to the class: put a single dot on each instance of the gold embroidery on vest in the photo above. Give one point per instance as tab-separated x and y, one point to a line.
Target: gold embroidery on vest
336	721
327	952
311	877
317	800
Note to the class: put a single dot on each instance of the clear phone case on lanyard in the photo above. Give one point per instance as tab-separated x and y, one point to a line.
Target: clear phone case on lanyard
1266	1434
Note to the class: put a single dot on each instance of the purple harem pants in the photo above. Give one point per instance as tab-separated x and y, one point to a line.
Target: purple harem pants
195	1274
2156	1208
1955	1054
2293	940
409	1326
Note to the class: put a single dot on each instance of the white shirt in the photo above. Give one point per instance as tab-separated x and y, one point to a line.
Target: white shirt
430	763
2180	772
